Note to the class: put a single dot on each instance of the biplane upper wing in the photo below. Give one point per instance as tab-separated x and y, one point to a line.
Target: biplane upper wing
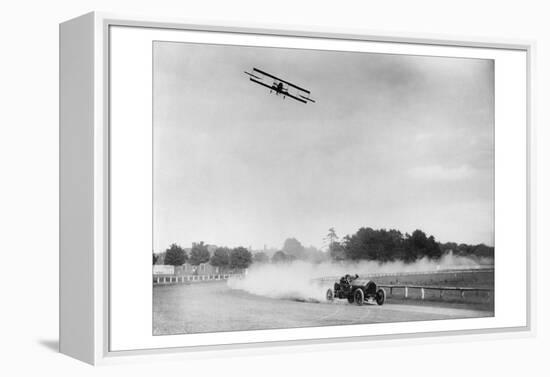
253	75
281	80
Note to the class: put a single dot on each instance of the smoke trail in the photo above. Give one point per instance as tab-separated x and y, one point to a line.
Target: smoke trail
300	280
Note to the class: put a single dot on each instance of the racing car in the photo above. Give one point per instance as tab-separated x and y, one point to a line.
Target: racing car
355	290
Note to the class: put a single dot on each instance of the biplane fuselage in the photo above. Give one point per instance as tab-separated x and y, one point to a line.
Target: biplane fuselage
278	87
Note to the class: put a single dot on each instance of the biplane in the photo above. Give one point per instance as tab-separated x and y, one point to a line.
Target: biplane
279	86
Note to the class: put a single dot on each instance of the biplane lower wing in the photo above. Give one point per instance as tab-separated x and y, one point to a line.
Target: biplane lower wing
296	98
261	83
275	89
307	98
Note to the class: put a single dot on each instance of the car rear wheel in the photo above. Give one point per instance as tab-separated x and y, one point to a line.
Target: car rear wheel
380	296
359	296
330	295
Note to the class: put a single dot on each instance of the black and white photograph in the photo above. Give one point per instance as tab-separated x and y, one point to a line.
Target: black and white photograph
290	188
298	188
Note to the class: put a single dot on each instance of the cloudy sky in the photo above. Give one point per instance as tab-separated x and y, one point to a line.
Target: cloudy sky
394	141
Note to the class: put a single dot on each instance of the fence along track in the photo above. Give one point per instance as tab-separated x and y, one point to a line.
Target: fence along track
423	289
180	279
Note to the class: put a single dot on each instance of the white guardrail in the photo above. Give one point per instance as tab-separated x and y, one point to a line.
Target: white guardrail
423	289
180	279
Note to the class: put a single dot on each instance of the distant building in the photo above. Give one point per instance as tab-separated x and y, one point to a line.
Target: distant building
160	258
188	269
201	269
163	269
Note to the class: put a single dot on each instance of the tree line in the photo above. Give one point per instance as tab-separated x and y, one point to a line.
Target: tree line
223	257
369	244
391	245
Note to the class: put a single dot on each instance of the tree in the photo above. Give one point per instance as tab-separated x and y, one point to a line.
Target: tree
260	257
483	251
363	245
220	258
419	245
293	247
240	257
433	251
370	244
175	255
155	258
337	251
281	257
331	238
335	248
199	254
315	255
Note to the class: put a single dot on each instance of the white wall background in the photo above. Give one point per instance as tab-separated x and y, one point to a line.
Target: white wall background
29	189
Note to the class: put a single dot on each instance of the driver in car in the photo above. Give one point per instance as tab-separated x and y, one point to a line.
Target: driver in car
345	281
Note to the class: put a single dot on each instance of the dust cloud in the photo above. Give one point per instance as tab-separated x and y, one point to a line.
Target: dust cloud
302	280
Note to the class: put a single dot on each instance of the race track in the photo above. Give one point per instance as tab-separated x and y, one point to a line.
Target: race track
214	307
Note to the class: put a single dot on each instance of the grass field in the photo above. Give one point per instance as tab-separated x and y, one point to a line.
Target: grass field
477	279
473	278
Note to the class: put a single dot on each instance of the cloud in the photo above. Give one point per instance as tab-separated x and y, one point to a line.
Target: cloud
422	136
441	173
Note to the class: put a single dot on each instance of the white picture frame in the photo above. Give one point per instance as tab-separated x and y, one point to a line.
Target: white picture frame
91	310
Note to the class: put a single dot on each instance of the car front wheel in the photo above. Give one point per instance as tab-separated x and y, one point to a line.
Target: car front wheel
380	296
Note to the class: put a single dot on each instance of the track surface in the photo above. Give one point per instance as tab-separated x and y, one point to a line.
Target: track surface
214	307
